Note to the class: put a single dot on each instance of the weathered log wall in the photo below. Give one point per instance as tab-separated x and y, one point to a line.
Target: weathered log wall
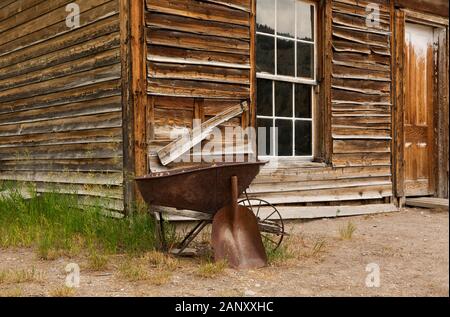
198	63
60	97
358	71
61	116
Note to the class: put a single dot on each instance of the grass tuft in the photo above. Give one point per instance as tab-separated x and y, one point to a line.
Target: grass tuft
211	269
160	278
16	292
97	262
346	232
20	276
133	271
63	292
161	261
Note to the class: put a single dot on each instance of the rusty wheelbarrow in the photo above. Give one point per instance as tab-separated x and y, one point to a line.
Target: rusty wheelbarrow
212	190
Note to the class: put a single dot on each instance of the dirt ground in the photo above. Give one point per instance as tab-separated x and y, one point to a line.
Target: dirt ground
411	249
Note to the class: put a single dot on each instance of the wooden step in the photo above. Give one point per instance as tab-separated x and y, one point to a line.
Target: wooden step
427	202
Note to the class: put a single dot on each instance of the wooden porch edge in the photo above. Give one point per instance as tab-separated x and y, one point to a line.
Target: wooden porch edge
295	212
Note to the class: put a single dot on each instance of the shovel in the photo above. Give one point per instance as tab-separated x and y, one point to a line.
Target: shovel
236	238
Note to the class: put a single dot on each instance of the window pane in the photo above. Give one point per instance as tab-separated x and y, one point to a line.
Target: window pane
305	60
265	16
303	138
265	134
283	99
265	58
305	21
284	145
286	18
285	57
303	103
264	98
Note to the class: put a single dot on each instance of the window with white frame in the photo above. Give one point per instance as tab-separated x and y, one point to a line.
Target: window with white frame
286	76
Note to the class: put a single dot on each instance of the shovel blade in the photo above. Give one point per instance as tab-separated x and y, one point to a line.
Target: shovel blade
236	238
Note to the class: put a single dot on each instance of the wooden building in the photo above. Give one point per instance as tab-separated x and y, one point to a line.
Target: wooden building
358	90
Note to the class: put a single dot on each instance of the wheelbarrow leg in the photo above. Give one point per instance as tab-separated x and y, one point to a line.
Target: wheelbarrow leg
192	235
160	231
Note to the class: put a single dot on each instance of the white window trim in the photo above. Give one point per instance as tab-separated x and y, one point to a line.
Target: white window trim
294	80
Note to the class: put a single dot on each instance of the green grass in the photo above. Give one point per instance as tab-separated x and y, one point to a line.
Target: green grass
58	225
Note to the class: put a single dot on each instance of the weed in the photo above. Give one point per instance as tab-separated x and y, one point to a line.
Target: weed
318	248
132	271
346	232
58	224
20	276
97	262
63	292
280	255
161	261
16	292
211	269
160	278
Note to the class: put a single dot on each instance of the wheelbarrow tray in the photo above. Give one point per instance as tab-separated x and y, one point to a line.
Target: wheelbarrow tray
204	189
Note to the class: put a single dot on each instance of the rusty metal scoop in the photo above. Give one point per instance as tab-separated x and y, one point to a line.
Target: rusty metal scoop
235	235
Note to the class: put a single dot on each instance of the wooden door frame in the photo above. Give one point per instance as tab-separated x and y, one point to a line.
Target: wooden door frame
439	177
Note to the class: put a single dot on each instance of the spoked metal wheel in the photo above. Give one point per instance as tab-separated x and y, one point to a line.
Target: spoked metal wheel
270	221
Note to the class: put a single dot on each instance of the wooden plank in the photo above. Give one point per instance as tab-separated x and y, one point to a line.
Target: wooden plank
185	142
101	27
251	115
328	195
95	165
129	160
399	76
113	179
100	90
427	202
190	25
23	16
165	54
201	10
297	186
325	173
88	122
16	7
59	29
361	146
104	149
62	138
438	7
138	91
312	212
92	76
46	61
292	212
197	42
327	81
198	72
82	64
361	159
243	5
70	110
197	89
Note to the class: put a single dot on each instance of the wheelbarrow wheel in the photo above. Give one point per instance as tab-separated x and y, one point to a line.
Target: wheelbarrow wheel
270	222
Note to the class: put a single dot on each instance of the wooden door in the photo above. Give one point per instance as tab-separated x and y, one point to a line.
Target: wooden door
418	111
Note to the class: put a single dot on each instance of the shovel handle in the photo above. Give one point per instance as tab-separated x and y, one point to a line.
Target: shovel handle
234	194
